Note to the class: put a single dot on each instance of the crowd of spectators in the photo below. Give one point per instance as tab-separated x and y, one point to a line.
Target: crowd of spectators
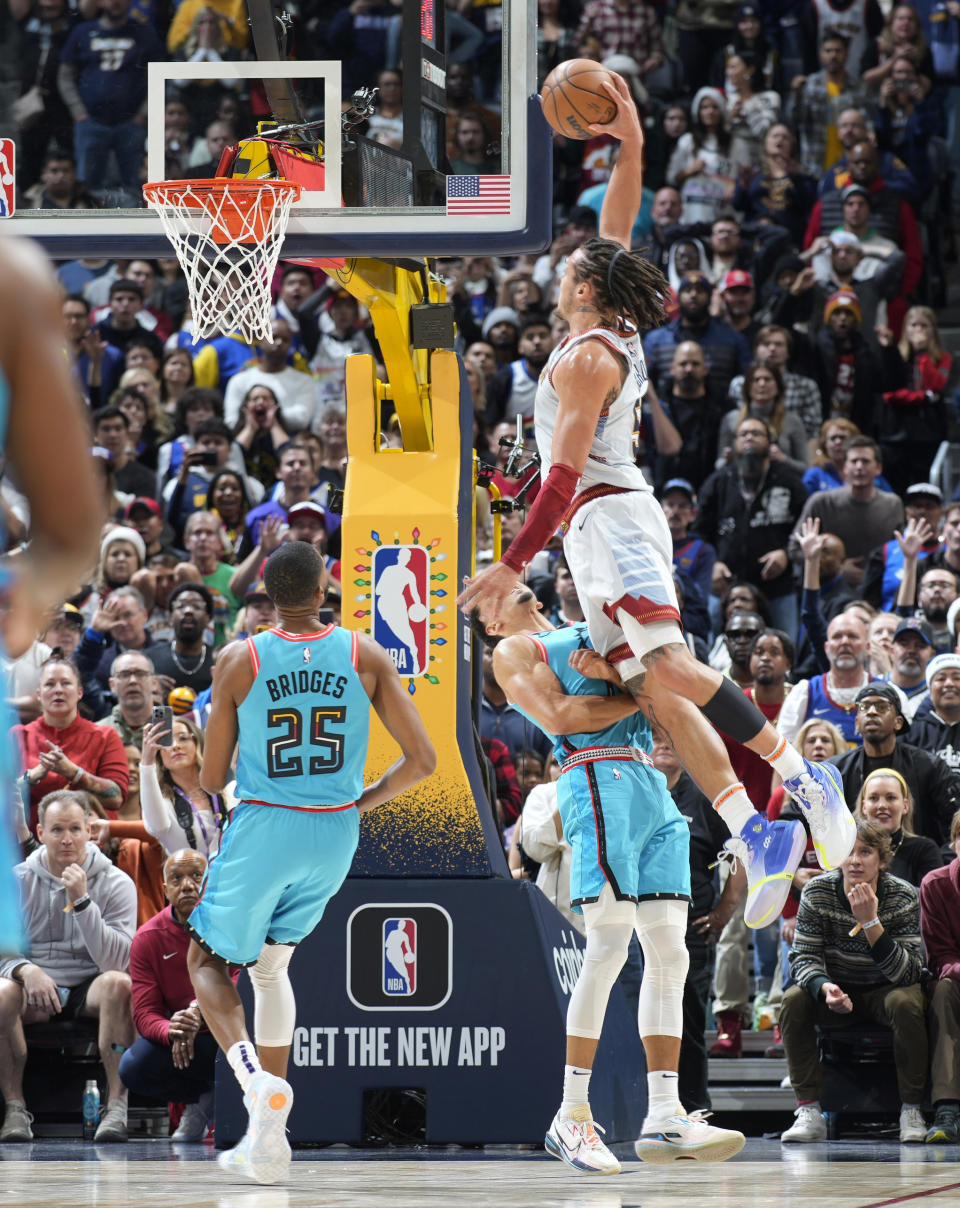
799	206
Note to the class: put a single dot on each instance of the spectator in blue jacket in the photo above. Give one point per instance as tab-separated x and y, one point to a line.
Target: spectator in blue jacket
726	350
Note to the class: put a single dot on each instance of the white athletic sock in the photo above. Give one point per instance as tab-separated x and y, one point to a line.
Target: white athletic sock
576	1089
785	760
735	807
662	1098
244	1062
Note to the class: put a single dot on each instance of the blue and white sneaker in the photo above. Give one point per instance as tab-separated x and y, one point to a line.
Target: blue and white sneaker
573	1140
686	1136
819	792
770	852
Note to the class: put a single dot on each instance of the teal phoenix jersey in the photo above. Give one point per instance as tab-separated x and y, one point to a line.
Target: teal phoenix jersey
304	725
555	648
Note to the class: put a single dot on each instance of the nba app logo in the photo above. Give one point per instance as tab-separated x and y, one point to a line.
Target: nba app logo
399	957
7	169
401	605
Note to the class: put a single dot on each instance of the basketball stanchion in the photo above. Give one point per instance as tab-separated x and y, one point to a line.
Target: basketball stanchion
227	235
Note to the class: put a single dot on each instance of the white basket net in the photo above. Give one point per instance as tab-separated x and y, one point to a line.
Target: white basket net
227	235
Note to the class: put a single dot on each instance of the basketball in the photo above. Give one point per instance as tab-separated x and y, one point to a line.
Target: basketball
573	97
417	613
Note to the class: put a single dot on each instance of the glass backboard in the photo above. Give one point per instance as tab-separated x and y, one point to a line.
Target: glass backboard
450	157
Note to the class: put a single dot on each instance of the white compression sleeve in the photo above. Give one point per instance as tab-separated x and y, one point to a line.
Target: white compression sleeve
661	929
609	927
274	1008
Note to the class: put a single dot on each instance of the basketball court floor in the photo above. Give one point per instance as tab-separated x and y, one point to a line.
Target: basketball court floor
838	1174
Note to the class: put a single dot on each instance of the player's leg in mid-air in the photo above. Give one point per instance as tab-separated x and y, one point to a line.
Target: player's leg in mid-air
629	842
619	553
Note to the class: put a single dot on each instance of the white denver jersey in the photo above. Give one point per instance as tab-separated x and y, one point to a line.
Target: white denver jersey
611	456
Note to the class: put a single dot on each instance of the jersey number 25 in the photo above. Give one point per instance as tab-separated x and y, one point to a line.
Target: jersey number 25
280	761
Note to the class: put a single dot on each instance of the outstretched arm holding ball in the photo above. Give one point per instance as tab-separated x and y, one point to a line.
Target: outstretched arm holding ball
591	376
624	195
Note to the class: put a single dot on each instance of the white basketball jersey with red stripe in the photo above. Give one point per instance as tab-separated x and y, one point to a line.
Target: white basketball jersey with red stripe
611	457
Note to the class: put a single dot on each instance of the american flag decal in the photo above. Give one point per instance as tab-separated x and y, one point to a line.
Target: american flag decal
478	194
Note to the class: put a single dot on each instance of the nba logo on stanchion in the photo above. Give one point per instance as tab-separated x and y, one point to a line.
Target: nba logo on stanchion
399	957
401	605
8	163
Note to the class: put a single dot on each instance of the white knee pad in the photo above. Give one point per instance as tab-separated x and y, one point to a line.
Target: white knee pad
274	1008
661	929
609	927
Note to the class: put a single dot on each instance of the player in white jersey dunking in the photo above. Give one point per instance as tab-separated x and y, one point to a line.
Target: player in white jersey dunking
618	547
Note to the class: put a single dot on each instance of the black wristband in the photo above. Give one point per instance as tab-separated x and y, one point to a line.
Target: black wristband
81	904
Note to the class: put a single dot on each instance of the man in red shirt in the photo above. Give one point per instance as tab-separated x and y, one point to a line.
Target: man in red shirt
174	1055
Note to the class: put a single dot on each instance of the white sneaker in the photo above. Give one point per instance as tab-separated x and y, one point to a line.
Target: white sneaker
268	1101
811	1125
688	1136
237	1160
16	1123
113	1123
193	1124
573	1140
913	1127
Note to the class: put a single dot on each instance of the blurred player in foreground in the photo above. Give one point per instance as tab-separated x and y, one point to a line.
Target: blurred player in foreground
44	443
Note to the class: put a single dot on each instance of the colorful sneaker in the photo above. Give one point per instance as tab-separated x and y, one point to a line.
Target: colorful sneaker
819	793
573	1140
770	852
945	1126
268	1101
689	1137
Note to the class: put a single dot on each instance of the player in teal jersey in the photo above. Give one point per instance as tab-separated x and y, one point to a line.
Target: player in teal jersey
44	441
630	872
298	699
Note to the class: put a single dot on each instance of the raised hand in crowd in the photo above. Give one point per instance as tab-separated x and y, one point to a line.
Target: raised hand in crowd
916	534
810	539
